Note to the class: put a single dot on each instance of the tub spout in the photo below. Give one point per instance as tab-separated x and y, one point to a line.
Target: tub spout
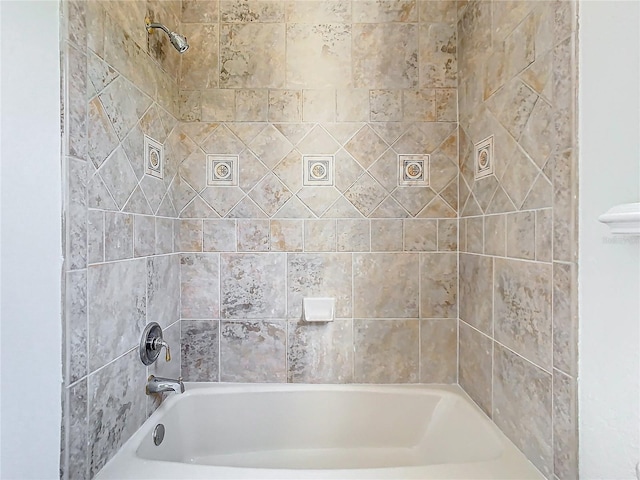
160	385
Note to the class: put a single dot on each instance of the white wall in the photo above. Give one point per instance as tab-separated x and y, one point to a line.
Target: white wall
30	255
609	277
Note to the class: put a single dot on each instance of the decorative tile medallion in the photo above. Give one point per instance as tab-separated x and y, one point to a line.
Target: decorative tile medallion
153	157
222	170
318	170
413	170
484	158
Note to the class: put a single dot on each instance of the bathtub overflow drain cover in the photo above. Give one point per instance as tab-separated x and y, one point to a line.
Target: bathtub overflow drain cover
158	434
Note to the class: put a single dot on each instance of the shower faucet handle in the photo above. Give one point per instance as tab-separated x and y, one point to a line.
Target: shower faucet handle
158	343
151	344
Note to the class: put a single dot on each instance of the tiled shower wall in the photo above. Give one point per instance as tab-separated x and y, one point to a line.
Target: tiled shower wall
518	248
121	269
364	81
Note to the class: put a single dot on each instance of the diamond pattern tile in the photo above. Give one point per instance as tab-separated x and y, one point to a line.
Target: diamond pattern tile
270	146
270	194
366	146
366	194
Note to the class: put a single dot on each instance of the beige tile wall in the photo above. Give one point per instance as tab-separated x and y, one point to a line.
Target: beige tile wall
365	81
518	328
121	268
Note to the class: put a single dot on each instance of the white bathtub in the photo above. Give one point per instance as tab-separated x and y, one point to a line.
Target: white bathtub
231	431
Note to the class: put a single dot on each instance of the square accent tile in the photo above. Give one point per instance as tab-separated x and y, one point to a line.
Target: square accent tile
153	157
483	159
318	170
413	170
222	170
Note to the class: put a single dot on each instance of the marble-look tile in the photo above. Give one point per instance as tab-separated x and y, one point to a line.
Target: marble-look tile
475	235
200	72
495	235
95	236
320	353
447	235
77	431
320	235
319	275
270	194
544	234
102	138
124	105
199	11
313	11
253	235
365	194
189	236
376	11
260	11
270	146
217	105
253	285
164	235
438	12
522	406
163	289
386	105
418	105
352	105
386	235
446	105
538	131
366	146
438	59
144	235
253	351
116	408
521	235
395	64
353	235
252	55
75	308
386	351
476	292
116	305
286	235
397	297
285	106
319	105
565	318
318	55
118	229
565	206
565	427
76	214
119	177
438	285
200	350
518	177
420	235
439	351
219	235
475	366
523	309
199	285
252	105
75	79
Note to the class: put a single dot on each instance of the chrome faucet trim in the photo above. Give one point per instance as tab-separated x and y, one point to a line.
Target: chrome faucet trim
161	385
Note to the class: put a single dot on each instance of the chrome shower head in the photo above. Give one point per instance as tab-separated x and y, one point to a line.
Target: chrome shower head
178	41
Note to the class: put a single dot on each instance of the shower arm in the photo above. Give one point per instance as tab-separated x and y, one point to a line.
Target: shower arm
151	26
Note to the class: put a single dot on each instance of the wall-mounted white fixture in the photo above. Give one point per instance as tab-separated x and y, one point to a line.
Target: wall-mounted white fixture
319	309
623	219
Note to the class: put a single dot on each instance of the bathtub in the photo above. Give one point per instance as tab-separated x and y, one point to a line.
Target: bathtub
284	431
